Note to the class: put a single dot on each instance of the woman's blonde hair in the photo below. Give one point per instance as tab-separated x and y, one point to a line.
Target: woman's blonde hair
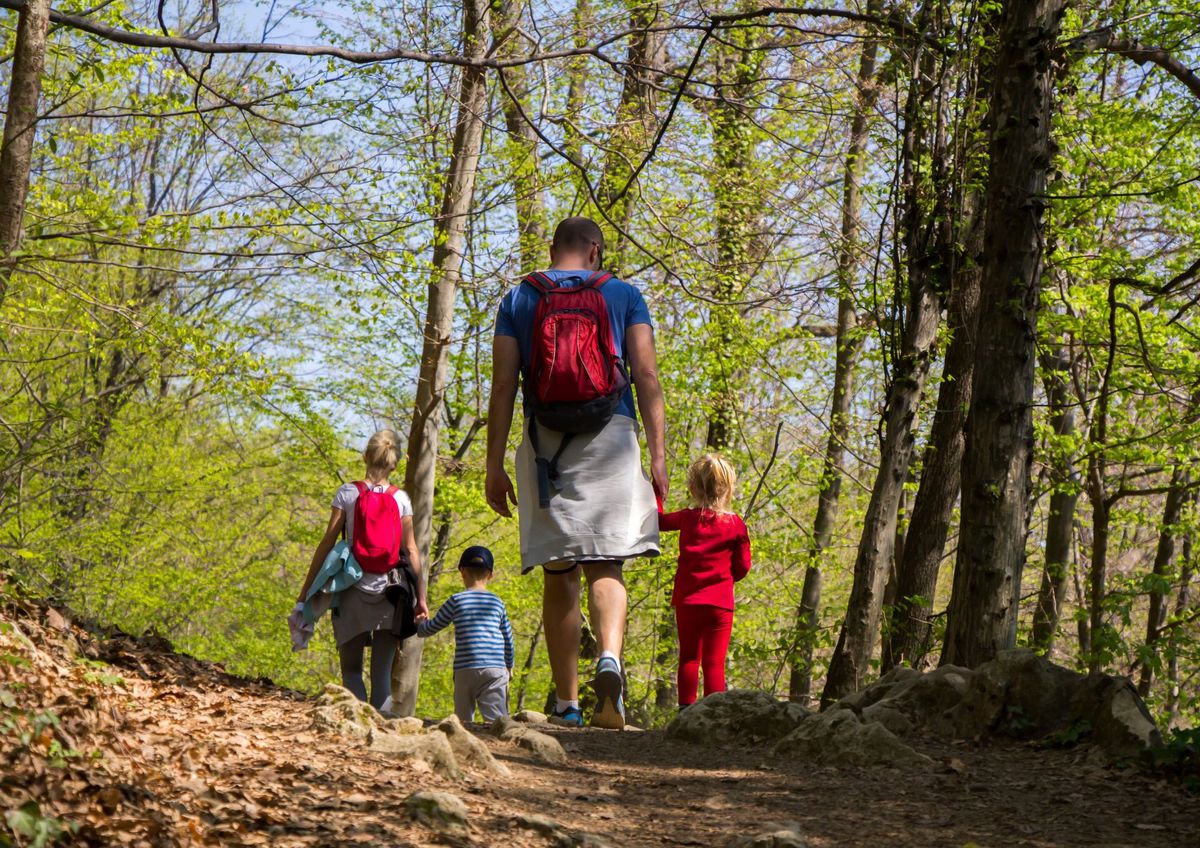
710	481
382	452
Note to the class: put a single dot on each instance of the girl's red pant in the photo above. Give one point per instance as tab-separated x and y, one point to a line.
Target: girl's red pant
703	642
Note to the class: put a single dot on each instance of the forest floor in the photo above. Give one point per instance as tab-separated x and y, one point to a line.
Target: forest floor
149	748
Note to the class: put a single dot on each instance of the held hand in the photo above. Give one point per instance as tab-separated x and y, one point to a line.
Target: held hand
422	610
659	478
498	489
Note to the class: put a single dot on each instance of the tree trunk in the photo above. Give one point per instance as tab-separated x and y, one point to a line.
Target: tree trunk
1060	525
450	231
999	438
860	627
573	136
522	687
848	346
20	126
522	153
1164	560
916	580
634	127
1182	602
738	202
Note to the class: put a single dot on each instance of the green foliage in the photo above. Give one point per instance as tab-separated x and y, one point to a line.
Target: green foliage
34	829
215	304
1179	756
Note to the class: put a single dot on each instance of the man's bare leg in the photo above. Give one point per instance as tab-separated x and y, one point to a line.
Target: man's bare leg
562	622
609	604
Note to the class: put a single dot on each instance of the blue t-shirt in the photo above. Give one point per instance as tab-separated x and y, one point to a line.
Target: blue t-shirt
626	307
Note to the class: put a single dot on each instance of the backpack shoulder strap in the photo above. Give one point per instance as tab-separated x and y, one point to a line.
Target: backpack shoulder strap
361	486
540	282
596	280
391	490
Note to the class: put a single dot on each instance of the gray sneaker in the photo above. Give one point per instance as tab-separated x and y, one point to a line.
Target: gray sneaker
608	684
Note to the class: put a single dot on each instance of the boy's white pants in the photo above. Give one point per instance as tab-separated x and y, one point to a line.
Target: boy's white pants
485	687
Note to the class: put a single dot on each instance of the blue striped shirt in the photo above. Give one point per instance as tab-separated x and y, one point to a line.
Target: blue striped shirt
482	635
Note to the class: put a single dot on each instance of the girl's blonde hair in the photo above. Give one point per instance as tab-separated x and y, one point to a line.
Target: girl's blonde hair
711	479
382	452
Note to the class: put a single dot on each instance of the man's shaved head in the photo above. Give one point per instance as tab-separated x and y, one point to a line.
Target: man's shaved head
577	235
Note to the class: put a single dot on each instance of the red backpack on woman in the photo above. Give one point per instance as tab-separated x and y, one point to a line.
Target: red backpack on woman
377	529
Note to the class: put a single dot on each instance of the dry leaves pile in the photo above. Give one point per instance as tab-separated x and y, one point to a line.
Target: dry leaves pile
118	741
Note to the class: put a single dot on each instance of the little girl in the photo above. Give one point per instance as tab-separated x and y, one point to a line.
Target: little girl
714	553
364	614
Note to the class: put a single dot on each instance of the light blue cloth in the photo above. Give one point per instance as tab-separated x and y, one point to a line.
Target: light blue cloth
338	573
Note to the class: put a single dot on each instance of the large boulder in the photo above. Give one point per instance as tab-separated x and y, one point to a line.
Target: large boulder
1121	726
839	737
738	716
906	701
1025	696
1017	694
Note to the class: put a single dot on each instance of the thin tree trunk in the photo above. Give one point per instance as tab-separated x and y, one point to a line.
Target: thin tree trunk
523	147
1182	601
1097	486
1164	560
450	233
848	346
633	129
1060	524
1098	562
20	125
999	439
573	137
1083	633
528	666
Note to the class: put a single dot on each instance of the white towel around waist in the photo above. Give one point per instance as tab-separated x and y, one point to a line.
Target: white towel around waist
602	507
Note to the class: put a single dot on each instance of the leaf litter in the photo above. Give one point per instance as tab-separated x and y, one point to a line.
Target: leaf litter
109	739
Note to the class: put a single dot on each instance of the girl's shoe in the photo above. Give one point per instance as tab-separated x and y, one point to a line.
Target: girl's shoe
570	717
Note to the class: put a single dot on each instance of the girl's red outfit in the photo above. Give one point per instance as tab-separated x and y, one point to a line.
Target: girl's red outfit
714	553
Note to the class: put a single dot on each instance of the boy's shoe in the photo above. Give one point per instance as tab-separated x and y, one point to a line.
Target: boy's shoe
610	707
570	717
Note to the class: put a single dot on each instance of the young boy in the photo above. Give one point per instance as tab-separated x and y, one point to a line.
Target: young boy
483	640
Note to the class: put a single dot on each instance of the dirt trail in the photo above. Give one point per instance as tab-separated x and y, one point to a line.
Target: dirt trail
191	756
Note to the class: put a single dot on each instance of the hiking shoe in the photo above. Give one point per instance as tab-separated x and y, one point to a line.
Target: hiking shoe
570	717
610	708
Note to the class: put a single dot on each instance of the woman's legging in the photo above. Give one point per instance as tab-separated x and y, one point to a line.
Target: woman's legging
383	652
703	642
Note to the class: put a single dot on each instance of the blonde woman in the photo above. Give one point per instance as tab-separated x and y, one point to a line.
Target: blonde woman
714	553
377	520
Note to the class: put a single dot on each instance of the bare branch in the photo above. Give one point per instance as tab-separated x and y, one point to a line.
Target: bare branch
1106	41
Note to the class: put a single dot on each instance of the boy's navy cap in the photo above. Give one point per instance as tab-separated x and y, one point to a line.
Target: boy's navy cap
476	556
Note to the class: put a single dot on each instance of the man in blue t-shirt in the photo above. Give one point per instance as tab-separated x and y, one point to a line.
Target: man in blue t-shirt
602	511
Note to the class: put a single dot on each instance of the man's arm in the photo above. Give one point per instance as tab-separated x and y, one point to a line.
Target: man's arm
506	369
643	360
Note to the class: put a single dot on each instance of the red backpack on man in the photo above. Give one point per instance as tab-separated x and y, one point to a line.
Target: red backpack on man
377	529
575	378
